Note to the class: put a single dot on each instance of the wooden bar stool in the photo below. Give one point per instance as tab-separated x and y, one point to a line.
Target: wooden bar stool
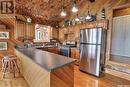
9	64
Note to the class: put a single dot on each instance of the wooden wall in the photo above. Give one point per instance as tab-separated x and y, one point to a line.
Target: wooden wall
121	12
15	29
9	23
24	31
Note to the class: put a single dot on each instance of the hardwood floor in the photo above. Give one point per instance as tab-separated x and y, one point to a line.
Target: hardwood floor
81	80
106	80
9	81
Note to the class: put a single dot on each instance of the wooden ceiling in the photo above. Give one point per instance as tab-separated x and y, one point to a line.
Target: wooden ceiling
44	11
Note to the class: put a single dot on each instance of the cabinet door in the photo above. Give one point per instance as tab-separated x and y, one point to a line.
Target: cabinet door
54	33
61	35
72	53
53	50
75	54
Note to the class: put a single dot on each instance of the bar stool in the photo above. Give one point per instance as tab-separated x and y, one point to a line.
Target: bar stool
9	64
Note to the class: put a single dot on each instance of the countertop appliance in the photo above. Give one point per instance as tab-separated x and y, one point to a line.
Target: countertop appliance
92	50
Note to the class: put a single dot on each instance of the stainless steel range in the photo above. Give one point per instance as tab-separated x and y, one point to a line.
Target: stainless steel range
65	50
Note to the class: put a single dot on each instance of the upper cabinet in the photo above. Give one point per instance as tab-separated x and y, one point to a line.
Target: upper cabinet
24	31
54	33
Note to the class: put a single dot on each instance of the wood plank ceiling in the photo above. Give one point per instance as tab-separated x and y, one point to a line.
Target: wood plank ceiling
44	11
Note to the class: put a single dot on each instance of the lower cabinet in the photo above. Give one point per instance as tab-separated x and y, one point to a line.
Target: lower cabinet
75	54
52	50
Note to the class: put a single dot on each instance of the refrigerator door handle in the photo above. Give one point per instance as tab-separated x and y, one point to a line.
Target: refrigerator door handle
81	52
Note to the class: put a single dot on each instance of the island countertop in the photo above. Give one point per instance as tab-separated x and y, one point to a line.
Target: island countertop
46	60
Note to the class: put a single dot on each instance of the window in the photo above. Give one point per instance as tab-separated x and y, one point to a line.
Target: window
42	33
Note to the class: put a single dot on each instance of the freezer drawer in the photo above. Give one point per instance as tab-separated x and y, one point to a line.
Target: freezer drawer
92	36
90	59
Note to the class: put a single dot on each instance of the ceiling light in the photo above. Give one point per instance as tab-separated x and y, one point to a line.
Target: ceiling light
74	8
77	19
88	17
63	12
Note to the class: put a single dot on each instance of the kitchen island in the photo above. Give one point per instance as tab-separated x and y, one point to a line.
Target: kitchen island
45	69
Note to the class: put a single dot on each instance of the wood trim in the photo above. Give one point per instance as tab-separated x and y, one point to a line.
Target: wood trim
126	66
122	6
118	74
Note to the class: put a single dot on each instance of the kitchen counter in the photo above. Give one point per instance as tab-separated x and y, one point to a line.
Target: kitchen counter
44	69
46	60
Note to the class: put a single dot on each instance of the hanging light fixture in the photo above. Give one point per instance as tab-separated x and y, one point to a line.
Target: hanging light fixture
74	8
63	12
77	19
88	17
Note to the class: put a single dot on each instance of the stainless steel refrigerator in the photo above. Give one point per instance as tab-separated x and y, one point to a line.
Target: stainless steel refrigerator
92	50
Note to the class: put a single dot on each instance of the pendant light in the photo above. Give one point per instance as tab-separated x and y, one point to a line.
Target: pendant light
74	8
88	17
63	12
77	19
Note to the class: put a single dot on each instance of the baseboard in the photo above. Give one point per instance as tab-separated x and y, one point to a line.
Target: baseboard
118	74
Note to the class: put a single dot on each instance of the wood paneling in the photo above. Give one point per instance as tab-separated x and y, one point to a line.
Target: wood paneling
55	50
75	54
9	41
36	76
24	31
44	11
121	12
54	33
13	28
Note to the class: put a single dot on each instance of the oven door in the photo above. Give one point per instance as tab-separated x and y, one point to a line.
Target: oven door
65	51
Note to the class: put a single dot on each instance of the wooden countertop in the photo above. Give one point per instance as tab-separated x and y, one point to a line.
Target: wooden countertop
46	60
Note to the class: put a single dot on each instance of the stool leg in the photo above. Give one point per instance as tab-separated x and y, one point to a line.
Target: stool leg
13	68
5	69
16	65
3	65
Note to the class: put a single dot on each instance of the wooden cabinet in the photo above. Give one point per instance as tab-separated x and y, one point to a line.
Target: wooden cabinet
75	54
51	49
54	50
54	33
24	31
61	35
